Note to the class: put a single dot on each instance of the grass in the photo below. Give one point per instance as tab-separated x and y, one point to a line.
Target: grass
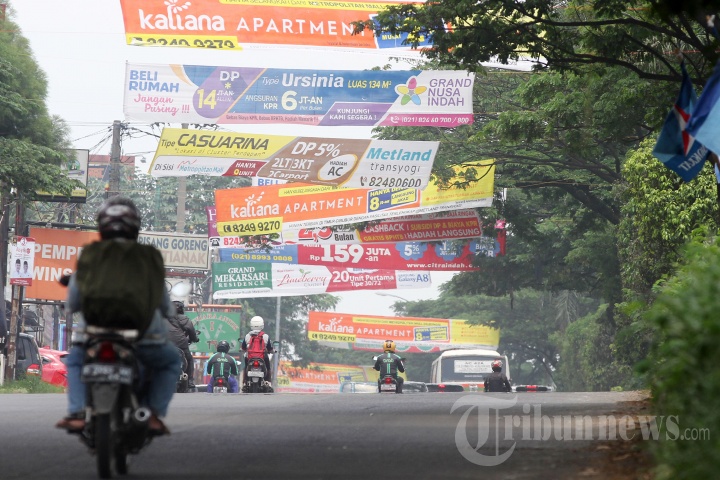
29	385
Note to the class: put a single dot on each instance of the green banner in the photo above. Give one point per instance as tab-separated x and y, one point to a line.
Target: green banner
214	327
230	277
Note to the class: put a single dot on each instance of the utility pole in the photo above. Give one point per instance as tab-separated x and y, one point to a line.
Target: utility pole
276	355
114	186
17	295
4	225
182	196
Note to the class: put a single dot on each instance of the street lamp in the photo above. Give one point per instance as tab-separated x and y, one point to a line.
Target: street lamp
383	294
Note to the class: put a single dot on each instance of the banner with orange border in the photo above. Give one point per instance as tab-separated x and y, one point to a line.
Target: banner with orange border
228	24
274	208
411	334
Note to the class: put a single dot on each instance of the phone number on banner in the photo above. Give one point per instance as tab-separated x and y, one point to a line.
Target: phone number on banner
330	337
249	227
197	41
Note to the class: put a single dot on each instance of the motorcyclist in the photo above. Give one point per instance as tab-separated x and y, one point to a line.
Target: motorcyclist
497	381
222	365
390	364
181	332
119	220
256	328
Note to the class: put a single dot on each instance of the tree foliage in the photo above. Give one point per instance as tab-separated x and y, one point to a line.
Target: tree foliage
639	36
32	142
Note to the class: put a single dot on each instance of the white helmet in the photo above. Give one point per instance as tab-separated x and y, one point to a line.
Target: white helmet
257	323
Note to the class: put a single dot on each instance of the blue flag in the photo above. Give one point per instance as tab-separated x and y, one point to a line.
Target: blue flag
676	147
705	121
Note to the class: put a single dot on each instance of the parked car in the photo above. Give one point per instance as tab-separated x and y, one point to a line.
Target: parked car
444	388
414	387
54	370
533	388
358	387
28	357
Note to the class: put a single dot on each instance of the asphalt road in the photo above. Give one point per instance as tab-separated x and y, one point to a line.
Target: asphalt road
326	436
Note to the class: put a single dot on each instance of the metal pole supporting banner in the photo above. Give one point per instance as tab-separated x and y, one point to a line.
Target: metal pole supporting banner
276	355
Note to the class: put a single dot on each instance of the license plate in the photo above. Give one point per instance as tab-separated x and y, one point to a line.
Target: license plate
255	373
107	373
387	387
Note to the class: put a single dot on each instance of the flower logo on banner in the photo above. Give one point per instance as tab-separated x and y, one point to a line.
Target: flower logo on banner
410	92
411	250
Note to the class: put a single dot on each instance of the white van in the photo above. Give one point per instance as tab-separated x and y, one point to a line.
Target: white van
466	367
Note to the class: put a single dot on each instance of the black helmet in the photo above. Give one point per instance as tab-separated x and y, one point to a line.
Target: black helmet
118	217
179	306
223	346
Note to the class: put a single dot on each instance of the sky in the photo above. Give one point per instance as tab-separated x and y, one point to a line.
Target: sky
80	45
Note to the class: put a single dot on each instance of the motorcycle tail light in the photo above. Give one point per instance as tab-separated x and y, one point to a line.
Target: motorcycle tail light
388	379
220	381
256	364
106	352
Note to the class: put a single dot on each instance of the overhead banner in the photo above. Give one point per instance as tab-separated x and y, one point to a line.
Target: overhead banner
180	250
240	95
215	327
266	279
431	227
228	24
352	163
411	334
438	256
274	208
321	377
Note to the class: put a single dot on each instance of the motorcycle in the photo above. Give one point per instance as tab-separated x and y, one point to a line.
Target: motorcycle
220	385
255	377
116	425
387	384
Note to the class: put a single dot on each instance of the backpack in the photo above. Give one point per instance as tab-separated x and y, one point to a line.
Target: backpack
256	347
496	382
121	284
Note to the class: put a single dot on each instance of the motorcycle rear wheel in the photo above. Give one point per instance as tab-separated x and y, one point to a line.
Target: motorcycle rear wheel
255	387
104	445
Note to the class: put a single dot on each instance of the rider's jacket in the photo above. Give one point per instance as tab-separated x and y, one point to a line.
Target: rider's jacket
221	365
497	382
181	330
389	364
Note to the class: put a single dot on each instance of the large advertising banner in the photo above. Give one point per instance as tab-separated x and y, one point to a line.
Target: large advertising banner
240	95
228	24
411	334
267	279
341	162
76	168
215	327
432	227
180	250
56	254
274	208
319	377
438	256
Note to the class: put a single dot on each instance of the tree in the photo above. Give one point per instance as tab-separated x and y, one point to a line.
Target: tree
638	36
32	142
